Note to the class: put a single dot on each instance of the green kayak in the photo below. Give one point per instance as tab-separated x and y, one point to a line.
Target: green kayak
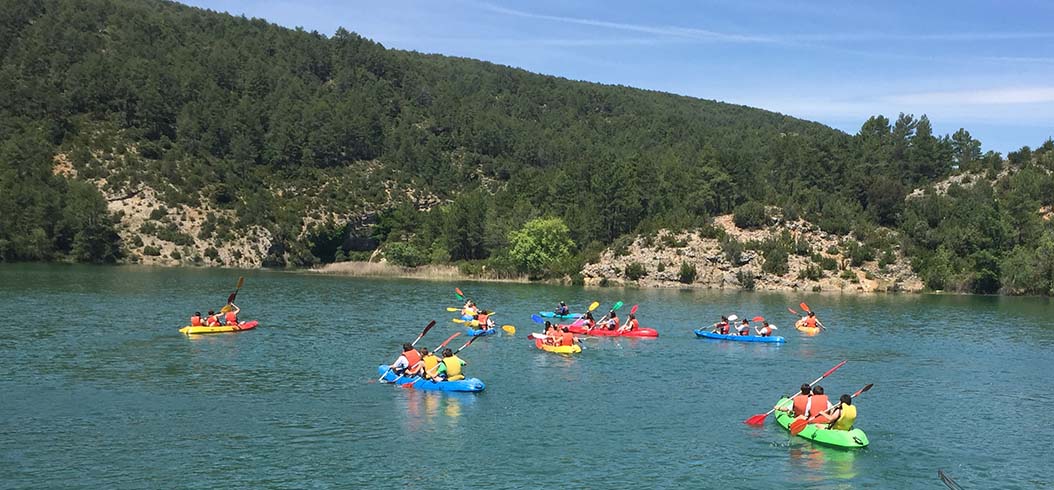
816	432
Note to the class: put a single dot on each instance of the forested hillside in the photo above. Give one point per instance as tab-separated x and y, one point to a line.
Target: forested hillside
141	130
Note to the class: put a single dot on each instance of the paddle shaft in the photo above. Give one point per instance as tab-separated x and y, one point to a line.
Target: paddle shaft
817	380
799	424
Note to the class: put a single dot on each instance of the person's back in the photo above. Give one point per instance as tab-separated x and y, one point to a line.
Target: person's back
430	362
818	403
613	323
846	414
231	317
800	402
810	321
195	321
744	328
567	338
481	319
453	364
211	320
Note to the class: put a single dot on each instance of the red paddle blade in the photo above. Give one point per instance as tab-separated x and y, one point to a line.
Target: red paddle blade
758	419
759	319
862	390
805	307
798	425
407	385
793	311
633	311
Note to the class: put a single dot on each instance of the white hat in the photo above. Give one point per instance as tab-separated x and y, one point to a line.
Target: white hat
732	318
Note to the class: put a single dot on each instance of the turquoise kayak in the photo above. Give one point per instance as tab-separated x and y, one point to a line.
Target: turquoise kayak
549	314
475	333
854	438
419	383
740	338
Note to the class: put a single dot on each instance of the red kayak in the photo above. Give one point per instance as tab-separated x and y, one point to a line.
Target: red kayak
603	332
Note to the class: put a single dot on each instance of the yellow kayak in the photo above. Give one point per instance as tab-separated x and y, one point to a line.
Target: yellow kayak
189	330
559	349
806	330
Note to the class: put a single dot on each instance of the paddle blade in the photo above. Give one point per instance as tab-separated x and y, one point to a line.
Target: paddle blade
241	282
758	419
509	328
457	320
805	307
537	319
617	306
633	311
594	305
452	309
759	319
459	294
230	299
407	385
798	425
447	341
793	311
863	390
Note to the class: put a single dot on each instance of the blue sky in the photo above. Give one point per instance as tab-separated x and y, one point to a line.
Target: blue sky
987	66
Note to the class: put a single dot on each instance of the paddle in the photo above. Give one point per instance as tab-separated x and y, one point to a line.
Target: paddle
760	418
793	311
445	342
459	294
230	299
614	308
470	341
423	332
510	329
452	309
633	311
581	318
947	480
800	424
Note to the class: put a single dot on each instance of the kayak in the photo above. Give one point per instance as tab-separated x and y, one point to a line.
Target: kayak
740	338
808	330
550	314
419	383
474	333
854	438
249	325
603	332
559	349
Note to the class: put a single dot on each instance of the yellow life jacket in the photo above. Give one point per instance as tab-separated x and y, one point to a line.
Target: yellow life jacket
845	421
453	368
431	362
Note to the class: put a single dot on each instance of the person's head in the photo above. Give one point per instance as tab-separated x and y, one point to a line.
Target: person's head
746	322
806	389
765	323
407	347
566	330
613	314
548	324
724	319
846	399
212	312
424	351
812	314
817	390
447	352
197	313
632	316
589	315
484	312
563	304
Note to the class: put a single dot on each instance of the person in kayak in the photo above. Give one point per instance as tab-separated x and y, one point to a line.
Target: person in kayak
552	333
469	310
195	321
211	320
484	321
590	322
818	405
766	329
611	323
843	414
231	317
450	367
408	362
630	325
566	337
429	363
799	403
721	327
744	328
812	322
562	309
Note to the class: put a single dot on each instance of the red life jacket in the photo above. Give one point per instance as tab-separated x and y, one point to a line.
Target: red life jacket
482	319
810	322
817	404
800	403
567	338
412	358
195	321
633	324
614	324
232	318
723	328
212	321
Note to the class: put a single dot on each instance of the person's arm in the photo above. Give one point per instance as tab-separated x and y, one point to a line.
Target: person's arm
401	362
236	309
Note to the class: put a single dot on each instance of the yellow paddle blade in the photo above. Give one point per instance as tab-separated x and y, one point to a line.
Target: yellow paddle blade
457	320
594	305
241	282
452	309
509	328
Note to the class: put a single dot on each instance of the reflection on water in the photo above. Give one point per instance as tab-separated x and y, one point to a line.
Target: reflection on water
823	463
430	410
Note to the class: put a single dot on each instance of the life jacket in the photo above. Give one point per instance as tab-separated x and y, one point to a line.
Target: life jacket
614	324
743	328
633	324
817	404
232	318
212	321
592	323
412	358
430	362
801	403
810	322
563	310
566	338
845	421
765	331
453	368
195	321
722	328
482	319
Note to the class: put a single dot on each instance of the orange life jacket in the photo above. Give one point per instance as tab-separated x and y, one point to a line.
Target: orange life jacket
482	319
614	323
195	321
810	322
817	404
633	324
412	358
232	318
567	338
212	321
722	328
800	403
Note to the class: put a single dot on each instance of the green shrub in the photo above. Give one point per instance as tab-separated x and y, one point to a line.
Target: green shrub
405	254
825	263
635	271
746	280
159	213
858	254
620	247
833	250
539	244
750	214
810	273
848	274
212	253
661	267
776	262
888	257
151	250
688	273
733	249
176	255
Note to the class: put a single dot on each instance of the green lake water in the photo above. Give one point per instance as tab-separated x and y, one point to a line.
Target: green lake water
99	390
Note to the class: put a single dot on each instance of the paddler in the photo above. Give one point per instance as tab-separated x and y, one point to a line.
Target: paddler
843	414
450	367
722	326
766	329
469	310
195	321
744	328
429	362
562	309
552	333
483	320
630	325
408	362
812	322
612	322
566	337
590	322
211	320
818	404
799	403
231	317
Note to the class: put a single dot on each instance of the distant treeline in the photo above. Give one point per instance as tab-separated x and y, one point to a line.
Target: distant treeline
283	125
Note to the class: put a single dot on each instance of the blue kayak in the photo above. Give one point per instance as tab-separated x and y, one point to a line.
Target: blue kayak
550	314
419	383
475	333
740	338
